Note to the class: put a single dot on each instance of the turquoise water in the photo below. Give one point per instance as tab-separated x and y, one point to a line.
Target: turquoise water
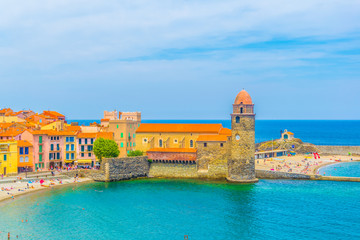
346	169
169	209
321	132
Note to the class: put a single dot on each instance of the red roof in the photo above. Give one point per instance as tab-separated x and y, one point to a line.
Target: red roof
178	128
212	138
23	143
106	135
243	98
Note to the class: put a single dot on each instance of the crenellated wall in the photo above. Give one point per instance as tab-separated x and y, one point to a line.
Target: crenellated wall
340	150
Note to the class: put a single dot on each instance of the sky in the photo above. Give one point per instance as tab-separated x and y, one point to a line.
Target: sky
181	59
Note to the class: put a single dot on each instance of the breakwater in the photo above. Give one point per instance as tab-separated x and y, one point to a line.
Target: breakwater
338	150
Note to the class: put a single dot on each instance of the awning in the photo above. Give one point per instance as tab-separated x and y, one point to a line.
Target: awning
68	161
84	161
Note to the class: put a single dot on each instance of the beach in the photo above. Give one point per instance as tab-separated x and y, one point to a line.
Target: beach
304	164
14	189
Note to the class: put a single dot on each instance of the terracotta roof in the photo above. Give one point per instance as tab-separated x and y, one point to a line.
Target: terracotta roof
53	133
53	113
243	97
105	120
73	128
212	138
178	128
183	150
12	132
106	135
24	143
289	133
6	125
225	131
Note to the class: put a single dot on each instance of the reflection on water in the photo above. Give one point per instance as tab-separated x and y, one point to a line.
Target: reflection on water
170	209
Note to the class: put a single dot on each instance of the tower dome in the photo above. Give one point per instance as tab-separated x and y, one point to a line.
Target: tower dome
243	98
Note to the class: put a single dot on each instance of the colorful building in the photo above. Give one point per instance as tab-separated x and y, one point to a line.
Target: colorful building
8	157
25	155
85	145
124	128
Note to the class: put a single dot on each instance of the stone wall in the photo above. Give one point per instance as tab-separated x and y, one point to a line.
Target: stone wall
173	170
280	175
340	150
116	169
212	159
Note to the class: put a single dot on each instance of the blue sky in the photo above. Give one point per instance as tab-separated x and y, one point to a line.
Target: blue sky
181	59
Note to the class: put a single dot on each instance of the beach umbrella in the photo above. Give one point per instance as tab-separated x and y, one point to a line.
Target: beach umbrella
41	181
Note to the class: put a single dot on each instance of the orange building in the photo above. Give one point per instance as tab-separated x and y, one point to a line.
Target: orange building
25	156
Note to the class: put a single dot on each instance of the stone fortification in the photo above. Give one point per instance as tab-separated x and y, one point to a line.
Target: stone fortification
116	169
173	170
339	150
264	174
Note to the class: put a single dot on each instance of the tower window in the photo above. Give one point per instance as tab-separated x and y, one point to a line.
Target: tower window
191	143
221	144
237	119
160	143
241	110
205	144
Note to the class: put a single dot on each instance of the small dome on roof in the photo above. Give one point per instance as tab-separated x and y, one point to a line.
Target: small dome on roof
243	98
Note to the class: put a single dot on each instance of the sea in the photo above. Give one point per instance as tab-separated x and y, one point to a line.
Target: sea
319	132
170	209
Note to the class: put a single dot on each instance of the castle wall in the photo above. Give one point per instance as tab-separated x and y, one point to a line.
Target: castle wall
173	170
212	159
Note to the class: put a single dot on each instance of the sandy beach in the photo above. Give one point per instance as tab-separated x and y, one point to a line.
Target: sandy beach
304	164
14	189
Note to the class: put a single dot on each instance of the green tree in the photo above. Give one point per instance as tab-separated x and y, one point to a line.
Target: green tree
135	153
105	148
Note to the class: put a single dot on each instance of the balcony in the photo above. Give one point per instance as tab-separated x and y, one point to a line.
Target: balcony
55	150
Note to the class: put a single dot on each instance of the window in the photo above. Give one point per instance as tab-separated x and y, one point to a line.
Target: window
4	157
92	141
117	126
221	144
21	150
21	159
57	155
72	147
57	146
26	150
67	156
90	148
241	110
40	148
191	143
52	138
50	156
57	137
134	135
237	119
122	135
205	144
40	139
82	148
89	154
145	140
85	140
40	157
175	141
26	159
52	147
133	144
160	143
72	139
130	144
82	154
67	147
127	144
79	140
72	156
121	144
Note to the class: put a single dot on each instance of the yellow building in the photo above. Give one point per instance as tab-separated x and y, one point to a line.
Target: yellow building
8	157
156	135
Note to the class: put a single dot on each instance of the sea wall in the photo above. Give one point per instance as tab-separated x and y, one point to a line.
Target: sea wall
173	170
340	150
116	169
280	175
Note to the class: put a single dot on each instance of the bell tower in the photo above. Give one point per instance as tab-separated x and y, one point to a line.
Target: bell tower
241	163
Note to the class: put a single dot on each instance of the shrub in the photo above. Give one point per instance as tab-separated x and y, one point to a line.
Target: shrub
135	153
